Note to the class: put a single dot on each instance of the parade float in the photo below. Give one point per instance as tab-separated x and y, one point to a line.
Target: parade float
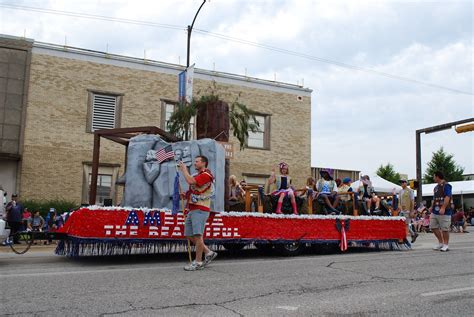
151	219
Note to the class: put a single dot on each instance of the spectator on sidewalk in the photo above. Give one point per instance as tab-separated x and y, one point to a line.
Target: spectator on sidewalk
459	221
407	208
2	205
26	215
14	210
36	222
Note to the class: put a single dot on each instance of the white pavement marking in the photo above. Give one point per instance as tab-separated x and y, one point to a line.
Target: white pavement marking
290	308
454	290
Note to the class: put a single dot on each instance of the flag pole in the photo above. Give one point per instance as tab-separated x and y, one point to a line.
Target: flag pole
184	215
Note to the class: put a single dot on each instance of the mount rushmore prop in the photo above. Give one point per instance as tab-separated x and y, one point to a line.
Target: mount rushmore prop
150	184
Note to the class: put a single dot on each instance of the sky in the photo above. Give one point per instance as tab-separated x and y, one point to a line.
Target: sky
360	118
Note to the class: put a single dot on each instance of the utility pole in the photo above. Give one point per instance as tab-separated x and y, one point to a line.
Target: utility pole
190	29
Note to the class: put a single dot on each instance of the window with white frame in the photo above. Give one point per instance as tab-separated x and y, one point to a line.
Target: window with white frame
104	111
167	110
104	187
106	183
260	139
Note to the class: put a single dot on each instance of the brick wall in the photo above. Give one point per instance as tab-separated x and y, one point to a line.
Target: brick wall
56	142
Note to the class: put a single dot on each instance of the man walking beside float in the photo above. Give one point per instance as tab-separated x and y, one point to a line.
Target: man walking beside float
441	211
201	190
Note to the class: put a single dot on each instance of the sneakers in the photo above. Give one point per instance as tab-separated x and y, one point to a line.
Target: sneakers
413	238
6	242
194	266
377	212
437	247
441	247
209	257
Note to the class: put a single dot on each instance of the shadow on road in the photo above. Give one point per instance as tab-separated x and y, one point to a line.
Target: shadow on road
246	253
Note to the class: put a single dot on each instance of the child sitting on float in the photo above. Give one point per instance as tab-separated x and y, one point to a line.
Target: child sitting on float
236	192
327	191
310	188
368	196
345	188
283	187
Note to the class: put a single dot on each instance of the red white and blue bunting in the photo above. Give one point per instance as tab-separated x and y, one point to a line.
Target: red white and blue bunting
117	230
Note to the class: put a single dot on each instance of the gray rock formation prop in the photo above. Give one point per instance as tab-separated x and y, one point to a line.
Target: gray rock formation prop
150	184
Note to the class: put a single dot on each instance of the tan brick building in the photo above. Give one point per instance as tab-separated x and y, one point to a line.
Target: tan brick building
66	92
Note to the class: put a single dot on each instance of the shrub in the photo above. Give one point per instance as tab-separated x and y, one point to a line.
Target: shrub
43	206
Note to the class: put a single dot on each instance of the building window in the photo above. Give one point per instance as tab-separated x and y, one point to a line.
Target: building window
106	183
104	111
260	139
168	107
104	188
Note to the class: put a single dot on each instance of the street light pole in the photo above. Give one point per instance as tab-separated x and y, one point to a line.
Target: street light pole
437	128
190	29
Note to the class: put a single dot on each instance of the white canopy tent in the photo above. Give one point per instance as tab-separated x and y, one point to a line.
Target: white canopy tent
464	189
459	188
380	185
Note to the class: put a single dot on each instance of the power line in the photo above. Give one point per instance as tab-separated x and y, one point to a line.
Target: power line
93	16
328	61
237	40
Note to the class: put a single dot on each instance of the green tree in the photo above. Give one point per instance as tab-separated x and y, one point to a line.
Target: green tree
388	172
443	162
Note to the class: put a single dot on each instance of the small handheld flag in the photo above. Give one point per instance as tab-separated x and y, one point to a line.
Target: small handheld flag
165	154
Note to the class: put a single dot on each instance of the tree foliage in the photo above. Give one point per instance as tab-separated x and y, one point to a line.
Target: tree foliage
443	162
388	172
242	120
179	122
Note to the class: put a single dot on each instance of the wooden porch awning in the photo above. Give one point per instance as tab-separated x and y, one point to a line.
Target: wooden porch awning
122	136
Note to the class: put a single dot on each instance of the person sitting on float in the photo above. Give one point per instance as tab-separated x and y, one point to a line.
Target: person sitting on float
346	188
327	191
310	188
236	192
367	193
283	187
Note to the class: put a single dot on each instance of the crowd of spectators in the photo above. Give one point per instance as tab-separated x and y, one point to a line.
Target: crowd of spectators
20	218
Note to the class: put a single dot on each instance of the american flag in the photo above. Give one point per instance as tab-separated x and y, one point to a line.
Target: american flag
165	154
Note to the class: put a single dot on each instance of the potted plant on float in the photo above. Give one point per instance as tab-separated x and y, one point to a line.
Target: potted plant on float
214	119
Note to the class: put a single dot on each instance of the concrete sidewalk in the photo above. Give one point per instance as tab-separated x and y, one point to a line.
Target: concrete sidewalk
34	248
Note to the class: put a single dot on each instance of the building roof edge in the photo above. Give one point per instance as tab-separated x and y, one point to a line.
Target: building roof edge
153	65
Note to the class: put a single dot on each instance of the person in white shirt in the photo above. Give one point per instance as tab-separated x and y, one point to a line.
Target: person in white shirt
407	207
327	191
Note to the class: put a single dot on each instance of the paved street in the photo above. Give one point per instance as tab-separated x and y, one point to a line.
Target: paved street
417	282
